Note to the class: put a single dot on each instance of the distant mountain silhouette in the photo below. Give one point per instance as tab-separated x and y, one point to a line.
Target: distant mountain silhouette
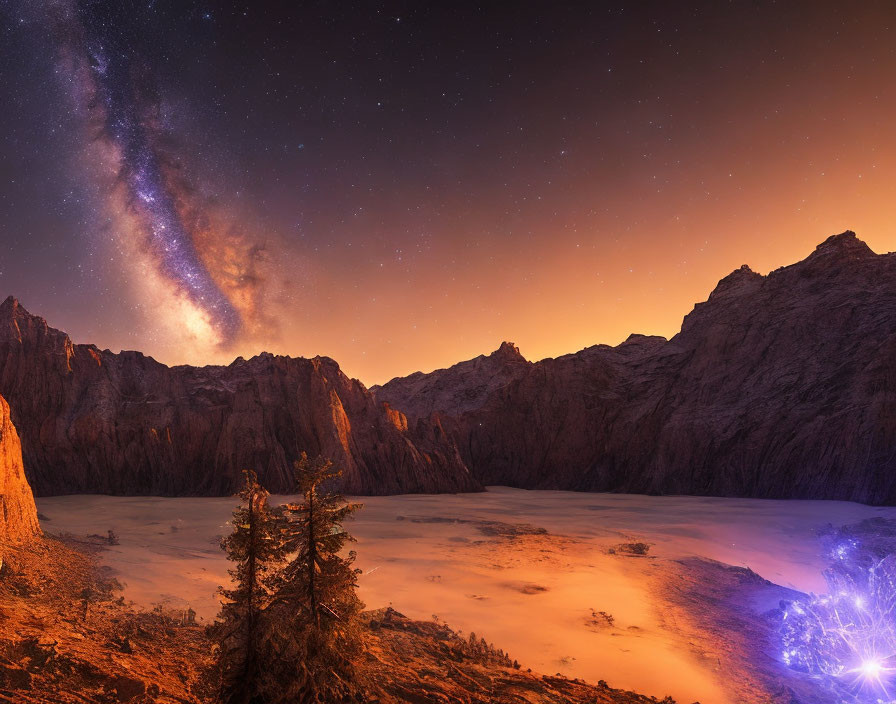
777	386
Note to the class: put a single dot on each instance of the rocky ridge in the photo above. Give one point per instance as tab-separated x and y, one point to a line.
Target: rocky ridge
92	421
778	386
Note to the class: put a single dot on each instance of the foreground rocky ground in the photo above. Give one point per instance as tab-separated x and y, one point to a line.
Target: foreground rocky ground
66	636
556	579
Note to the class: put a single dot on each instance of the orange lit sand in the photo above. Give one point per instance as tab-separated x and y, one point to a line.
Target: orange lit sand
531	596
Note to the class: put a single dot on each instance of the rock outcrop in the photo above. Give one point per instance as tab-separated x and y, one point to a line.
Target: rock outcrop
96	422
463	387
18	514
777	386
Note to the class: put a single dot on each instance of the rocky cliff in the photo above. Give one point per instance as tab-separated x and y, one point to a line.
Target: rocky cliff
464	387
18	515
96	422
777	386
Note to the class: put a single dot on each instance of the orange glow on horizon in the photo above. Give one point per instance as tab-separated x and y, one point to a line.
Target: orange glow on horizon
586	210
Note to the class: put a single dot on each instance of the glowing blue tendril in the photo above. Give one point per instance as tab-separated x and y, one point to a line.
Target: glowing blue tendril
848	634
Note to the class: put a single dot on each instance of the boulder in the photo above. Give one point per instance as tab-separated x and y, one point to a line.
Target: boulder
18	514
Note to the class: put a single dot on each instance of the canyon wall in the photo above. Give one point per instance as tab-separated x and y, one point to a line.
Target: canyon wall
777	386
92	421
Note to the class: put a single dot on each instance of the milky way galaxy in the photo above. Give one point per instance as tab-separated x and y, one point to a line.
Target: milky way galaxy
174	253
399	185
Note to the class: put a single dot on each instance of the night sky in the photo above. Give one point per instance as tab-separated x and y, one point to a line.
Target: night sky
404	185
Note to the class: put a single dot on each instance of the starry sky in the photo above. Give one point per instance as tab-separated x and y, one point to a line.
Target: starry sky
403	185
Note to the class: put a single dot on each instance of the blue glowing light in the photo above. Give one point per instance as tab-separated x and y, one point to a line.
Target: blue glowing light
848	634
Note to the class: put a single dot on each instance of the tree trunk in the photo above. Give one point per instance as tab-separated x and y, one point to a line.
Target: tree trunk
312	557
250	598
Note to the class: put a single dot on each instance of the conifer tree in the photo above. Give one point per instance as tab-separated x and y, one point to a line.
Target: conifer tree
315	606
256	546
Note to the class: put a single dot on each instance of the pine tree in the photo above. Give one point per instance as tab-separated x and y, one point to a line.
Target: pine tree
315	608
255	545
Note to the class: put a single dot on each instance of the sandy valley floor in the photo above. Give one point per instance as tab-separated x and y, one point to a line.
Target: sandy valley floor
536	595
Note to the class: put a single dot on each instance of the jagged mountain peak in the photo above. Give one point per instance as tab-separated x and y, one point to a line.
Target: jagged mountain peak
843	246
11	308
738	281
778	386
508	351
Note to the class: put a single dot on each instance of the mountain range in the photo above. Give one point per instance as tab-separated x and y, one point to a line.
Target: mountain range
777	386
92	421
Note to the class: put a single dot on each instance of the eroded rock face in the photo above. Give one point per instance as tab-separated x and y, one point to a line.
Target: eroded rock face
96	422
18	515
463	387
777	386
